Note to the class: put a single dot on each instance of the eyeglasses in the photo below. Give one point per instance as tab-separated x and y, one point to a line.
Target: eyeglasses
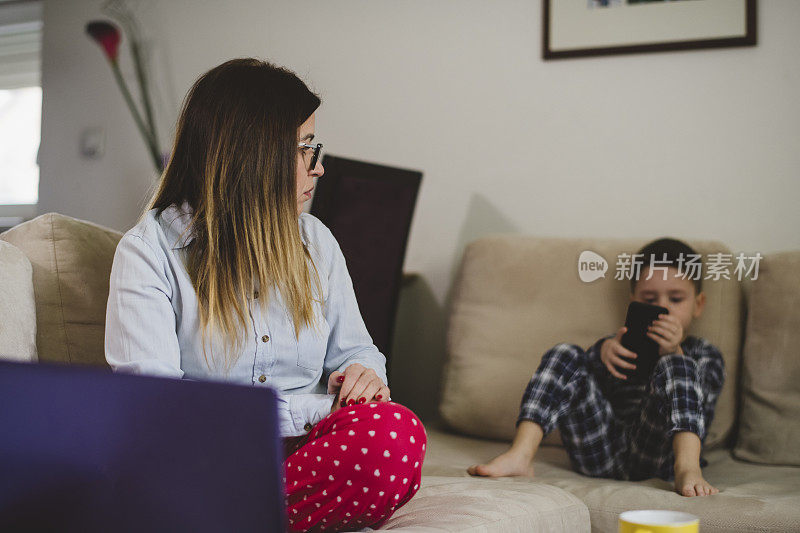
317	149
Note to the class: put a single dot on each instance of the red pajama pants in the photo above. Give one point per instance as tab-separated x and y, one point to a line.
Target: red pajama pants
356	467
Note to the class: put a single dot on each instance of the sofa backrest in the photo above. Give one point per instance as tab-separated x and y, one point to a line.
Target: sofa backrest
71	262
769	425
516	297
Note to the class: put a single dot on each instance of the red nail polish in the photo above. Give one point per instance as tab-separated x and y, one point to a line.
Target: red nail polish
362	400
351	402
378	396
340	379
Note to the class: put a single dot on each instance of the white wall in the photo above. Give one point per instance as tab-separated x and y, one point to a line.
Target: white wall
691	144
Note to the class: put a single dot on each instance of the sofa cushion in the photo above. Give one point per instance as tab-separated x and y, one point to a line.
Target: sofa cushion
17	307
71	262
515	297
769	430
752	497
463	504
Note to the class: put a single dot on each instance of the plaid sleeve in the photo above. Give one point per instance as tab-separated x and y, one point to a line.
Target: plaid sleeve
711	371
596	366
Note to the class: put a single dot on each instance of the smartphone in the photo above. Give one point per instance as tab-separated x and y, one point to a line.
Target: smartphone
639	318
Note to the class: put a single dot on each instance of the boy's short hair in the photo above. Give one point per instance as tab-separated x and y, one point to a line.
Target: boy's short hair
656	251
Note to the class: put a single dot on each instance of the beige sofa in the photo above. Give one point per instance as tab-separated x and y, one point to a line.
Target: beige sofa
513	298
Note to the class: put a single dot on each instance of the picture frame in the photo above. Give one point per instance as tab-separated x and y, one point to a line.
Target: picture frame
582	28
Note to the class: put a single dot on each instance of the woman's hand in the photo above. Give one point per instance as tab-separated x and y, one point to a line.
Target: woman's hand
612	352
356	385
667	331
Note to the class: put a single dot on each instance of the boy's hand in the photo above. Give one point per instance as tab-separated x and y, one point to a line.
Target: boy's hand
612	352
667	331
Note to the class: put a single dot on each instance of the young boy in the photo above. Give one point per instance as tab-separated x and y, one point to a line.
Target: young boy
620	429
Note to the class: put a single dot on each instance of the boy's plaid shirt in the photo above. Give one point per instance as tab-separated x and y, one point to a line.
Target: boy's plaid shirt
626	396
621	429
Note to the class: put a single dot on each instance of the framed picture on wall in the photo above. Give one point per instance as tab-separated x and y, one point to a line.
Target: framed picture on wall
579	28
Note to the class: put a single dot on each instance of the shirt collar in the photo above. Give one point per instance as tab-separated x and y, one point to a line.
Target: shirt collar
177	225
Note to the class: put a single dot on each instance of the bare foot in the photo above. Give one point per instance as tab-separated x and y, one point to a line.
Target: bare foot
690	482
510	463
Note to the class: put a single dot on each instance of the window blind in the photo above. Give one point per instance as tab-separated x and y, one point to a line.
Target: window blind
20	44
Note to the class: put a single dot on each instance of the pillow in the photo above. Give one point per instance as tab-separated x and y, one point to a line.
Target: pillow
769	427
17	308
71	262
516	297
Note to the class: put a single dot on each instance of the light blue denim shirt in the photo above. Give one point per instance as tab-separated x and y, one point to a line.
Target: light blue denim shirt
153	326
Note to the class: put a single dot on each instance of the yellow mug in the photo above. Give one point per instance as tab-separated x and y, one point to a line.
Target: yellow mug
658	522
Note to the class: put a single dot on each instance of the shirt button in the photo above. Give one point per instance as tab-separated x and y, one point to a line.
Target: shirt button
308	427
255	295
265	338
262	378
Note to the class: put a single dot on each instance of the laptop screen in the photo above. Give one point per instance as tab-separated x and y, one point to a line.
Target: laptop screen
82	449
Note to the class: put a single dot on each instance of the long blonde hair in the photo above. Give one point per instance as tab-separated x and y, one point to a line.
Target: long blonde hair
234	161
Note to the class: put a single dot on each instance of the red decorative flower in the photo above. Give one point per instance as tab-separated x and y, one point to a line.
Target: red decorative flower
107	36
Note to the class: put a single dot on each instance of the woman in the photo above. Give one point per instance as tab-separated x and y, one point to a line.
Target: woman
224	278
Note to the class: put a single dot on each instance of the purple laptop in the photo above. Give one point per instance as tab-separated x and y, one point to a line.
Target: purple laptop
82	449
